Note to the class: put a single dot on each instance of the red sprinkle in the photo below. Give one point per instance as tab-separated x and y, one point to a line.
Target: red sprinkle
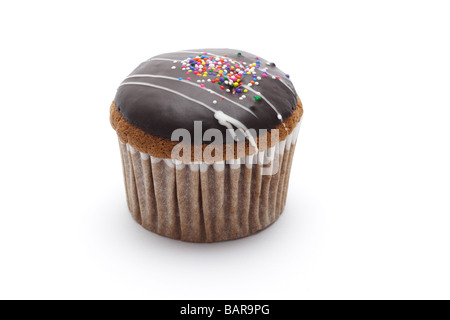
222	87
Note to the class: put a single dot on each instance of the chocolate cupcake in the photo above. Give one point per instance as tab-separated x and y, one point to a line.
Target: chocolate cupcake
207	139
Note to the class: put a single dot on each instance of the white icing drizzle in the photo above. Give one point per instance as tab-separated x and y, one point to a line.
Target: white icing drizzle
195	85
247	87
268	102
223	118
210	53
163	59
228	121
170	90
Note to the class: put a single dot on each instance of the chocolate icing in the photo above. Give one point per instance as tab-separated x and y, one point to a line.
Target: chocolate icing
159	112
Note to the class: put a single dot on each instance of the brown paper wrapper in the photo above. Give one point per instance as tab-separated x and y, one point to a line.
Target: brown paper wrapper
208	202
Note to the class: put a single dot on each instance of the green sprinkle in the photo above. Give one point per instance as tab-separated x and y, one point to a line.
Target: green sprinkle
257	98
239	54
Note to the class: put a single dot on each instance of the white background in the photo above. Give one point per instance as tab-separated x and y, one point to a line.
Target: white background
368	213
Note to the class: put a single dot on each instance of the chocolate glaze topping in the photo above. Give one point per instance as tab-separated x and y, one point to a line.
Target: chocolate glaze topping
154	99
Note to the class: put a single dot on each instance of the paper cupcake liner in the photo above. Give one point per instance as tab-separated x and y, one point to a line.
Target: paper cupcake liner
202	202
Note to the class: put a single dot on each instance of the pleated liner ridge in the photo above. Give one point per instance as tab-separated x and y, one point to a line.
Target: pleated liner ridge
207	202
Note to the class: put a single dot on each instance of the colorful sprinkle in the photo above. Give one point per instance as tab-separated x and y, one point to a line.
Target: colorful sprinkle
229	74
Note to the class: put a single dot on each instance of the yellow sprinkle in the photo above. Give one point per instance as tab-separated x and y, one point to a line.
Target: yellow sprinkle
238	80
236	84
245	90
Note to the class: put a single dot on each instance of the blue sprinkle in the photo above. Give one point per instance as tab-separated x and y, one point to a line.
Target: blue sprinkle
288	76
257	61
180	78
222	79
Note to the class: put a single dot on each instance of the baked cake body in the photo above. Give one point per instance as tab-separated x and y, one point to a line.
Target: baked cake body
211	191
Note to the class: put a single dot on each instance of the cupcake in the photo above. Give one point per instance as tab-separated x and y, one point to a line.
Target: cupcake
207	139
